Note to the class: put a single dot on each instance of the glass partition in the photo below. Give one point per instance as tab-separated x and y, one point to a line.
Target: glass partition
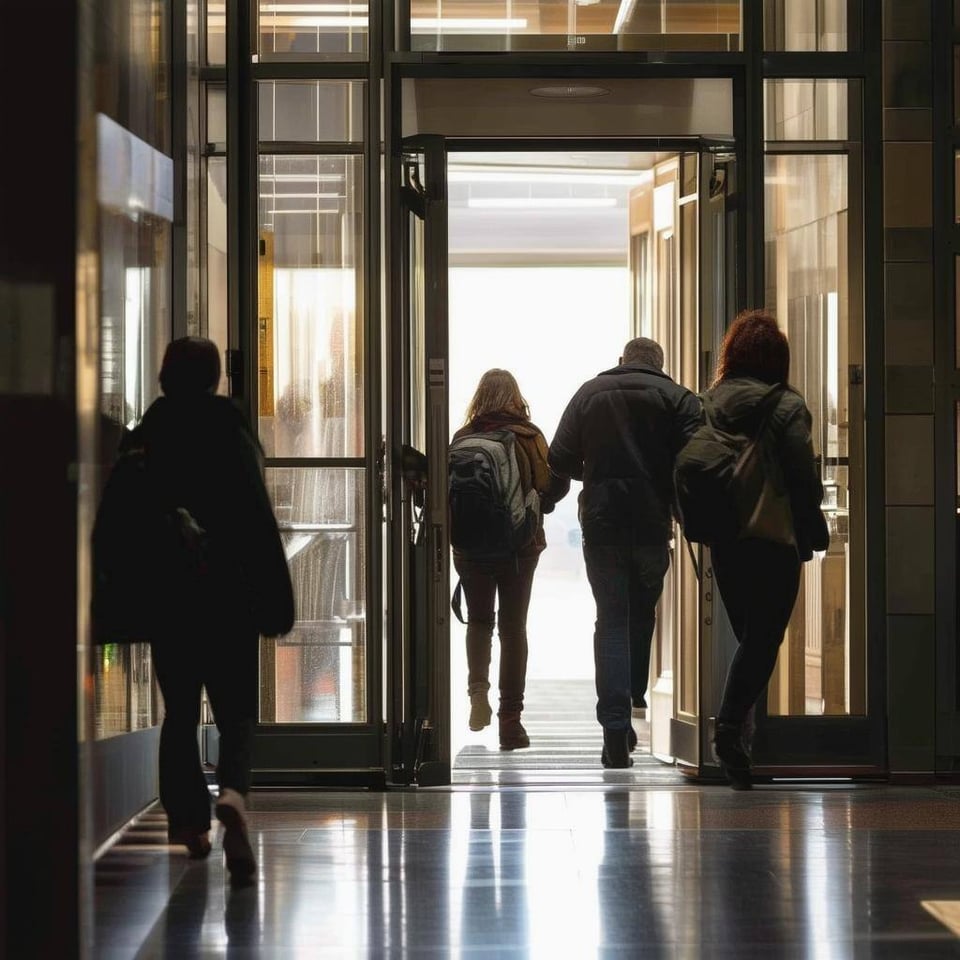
810	231
526	25
317	672
311	111
310	309
805	25
313	29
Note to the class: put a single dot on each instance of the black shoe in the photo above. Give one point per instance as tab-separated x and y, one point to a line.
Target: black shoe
616	750
512	735
728	743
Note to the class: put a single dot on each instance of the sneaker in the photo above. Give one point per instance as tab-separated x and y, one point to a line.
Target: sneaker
236	842
481	712
512	735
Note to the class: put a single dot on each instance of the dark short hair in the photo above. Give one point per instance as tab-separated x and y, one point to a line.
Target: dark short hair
191	366
644	350
754	346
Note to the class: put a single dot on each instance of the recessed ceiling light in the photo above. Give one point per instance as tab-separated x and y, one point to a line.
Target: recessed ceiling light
569	92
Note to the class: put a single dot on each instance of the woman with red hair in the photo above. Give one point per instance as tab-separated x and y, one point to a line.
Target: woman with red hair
758	572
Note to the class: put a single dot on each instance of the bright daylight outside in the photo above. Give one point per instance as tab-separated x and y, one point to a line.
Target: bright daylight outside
540	285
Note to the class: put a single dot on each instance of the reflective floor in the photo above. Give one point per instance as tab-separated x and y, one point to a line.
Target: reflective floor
599	870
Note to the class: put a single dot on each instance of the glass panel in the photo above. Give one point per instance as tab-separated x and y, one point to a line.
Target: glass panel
418	344
517	25
805	109
307	29
135	319
216	24
125	695
330	111
216	255
317	673
310	306
812	25
807	272
217	114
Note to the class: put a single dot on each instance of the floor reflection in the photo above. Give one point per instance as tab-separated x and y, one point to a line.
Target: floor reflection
575	872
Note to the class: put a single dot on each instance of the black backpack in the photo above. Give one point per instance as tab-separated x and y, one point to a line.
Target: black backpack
728	485
490	518
150	558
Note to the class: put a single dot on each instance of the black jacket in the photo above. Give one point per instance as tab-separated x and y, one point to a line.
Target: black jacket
206	459
620	434
738	407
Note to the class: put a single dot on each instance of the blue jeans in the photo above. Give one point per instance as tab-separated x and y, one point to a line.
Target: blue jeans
626	583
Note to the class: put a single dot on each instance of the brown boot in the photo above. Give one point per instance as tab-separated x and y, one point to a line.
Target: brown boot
512	734
481	713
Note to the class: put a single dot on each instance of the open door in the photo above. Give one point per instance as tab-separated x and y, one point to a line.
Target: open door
682	238
419	557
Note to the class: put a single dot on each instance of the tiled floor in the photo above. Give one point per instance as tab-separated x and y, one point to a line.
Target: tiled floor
590	871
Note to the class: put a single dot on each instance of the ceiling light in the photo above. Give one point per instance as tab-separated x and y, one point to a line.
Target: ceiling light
541	203
465	24
569	92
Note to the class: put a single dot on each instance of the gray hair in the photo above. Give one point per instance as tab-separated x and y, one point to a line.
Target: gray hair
644	351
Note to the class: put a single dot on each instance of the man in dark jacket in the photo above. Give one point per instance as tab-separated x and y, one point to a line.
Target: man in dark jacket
620	434
203	459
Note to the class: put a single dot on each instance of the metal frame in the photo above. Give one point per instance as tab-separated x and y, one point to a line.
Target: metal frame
747	69
946	249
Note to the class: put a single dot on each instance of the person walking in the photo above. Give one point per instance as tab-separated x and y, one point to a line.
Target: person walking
620	434
506	581
204	459
758	574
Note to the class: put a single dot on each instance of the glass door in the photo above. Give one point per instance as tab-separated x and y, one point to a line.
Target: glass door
419	601
682	238
319	708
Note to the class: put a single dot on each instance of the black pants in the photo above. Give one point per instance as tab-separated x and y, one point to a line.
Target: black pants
484	582
758	581
226	662
626	582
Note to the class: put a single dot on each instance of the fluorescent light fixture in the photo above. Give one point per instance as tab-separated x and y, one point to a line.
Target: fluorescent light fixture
300	196
312	8
625	179
468	24
301	177
305	210
540	203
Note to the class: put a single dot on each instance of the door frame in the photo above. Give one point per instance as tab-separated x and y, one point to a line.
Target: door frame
856	743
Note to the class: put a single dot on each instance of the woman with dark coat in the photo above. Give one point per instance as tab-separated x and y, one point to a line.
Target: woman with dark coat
758	574
498	404
203	459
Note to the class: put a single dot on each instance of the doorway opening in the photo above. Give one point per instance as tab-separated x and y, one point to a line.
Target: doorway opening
550	274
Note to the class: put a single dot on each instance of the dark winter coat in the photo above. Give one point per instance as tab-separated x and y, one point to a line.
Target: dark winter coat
620	435
535	474
206	459
738	407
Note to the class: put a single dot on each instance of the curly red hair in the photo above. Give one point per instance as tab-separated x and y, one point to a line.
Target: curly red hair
754	346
